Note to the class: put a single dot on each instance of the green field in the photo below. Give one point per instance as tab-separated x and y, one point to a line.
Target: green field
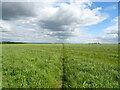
52	66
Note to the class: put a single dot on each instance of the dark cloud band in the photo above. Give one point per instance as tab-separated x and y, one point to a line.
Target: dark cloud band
13	10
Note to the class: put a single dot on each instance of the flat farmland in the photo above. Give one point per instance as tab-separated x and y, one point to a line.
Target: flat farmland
60	66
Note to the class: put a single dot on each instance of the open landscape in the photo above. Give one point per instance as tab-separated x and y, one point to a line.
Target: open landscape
60	66
59	44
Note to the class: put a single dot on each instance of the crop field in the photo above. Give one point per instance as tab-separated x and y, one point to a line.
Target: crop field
60	66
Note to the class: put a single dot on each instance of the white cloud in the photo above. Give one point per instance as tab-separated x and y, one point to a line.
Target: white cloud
109	35
111	30
112	7
68	17
54	21
115	20
4	26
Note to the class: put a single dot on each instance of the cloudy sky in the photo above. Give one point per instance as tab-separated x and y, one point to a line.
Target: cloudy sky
52	21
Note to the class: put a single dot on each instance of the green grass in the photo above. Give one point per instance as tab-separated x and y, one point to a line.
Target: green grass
40	66
26	66
0	66
94	66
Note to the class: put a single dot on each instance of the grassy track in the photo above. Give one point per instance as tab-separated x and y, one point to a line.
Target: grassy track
41	66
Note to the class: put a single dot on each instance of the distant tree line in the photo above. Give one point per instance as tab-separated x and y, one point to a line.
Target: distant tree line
6	42
12	43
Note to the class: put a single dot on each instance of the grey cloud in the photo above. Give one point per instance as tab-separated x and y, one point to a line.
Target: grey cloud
56	27
53	26
63	36
0	10
14	10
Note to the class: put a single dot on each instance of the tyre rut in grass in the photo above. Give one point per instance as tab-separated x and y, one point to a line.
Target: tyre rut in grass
63	67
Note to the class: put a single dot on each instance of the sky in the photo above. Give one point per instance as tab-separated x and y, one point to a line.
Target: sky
81	21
